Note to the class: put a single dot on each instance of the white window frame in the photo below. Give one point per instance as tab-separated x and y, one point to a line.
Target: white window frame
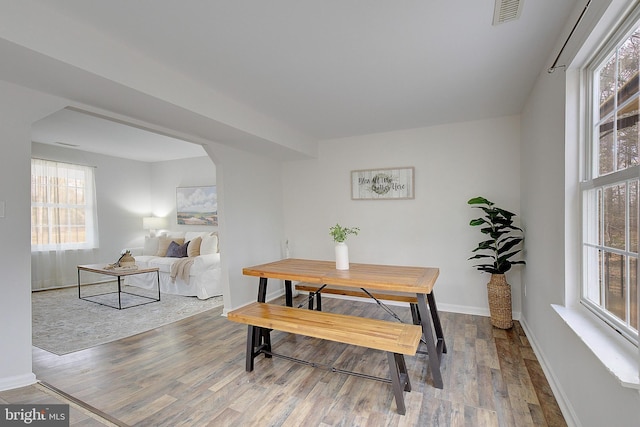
590	182
89	207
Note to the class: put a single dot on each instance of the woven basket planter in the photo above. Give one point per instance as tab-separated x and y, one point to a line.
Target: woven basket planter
499	292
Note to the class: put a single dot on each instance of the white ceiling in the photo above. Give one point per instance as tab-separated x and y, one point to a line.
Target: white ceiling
86	132
335	68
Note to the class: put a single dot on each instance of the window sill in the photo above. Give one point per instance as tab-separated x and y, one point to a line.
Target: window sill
619	356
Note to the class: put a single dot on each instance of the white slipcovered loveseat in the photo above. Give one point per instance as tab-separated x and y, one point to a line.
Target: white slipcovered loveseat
189	266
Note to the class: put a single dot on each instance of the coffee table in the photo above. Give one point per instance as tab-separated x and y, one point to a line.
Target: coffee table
119	273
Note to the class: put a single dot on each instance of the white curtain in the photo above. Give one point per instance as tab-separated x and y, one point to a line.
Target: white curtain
64	225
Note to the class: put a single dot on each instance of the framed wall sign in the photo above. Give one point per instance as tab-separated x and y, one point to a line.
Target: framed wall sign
197	205
382	184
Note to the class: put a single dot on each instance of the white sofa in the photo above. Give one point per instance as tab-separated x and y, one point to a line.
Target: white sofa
203	279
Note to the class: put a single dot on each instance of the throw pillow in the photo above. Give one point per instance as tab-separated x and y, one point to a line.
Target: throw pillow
177	251
150	245
163	244
194	247
209	244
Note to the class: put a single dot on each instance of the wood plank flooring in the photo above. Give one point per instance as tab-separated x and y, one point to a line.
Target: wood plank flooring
191	373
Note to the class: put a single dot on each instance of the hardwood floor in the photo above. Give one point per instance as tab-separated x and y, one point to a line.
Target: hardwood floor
191	373
38	394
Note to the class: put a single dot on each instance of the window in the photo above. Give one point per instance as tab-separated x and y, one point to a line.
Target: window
610	186
63	208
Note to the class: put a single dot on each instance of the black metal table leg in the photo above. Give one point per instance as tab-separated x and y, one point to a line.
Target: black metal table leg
119	294
415	315
434	357
158	273
262	290
436	321
288	293
311	297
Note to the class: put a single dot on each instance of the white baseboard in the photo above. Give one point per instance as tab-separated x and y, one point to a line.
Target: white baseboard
564	404
475	311
464	309
452	308
17	381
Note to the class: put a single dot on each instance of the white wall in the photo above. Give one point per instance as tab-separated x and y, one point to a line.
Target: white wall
167	176
26	106
583	384
585	389
250	217
452	164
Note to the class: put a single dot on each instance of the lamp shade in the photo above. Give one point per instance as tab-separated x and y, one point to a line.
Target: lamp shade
153	223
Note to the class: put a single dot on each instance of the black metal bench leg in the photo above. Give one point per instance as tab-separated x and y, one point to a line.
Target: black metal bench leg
258	339
399	379
402	368
318	302
266	341
251	345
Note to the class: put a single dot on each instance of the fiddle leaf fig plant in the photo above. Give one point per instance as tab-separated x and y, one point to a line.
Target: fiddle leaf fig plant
502	237
340	233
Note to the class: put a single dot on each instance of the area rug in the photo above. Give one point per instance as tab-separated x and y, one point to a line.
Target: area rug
63	323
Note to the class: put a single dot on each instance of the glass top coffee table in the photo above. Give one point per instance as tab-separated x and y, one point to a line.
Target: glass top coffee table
119	273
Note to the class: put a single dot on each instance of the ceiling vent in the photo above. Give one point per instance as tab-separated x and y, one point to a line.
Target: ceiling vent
506	10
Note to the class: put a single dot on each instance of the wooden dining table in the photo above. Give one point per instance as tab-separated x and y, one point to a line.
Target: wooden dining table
418	281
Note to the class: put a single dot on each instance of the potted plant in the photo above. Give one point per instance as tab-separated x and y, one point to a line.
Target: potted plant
339	235
497	250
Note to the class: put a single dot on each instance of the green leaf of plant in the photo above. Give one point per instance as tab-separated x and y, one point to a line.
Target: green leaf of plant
498	225
479	201
505	213
504	258
488	268
487	244
480	256
508	244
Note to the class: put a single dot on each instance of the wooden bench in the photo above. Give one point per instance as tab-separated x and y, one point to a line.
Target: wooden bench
397	339
316	290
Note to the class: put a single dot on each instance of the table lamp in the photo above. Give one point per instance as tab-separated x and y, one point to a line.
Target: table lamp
153	224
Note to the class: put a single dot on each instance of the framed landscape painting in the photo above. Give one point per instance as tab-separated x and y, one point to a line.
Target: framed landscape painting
197	205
